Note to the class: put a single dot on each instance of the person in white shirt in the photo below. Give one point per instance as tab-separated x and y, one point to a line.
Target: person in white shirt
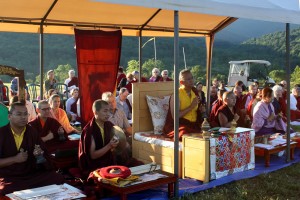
71	104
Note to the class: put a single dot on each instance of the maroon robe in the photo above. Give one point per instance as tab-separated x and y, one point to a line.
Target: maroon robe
162	79
73	81
224	109
55	144
213	117
241	111
25	175
86	163
120	77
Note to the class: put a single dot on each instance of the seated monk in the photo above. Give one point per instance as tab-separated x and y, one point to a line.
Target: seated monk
20	144
213	118
189	108
265	121
278	102
295	112
240	105
96	144
60	115
226	113
51	131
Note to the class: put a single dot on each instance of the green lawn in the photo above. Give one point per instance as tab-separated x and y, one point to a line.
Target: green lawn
281	184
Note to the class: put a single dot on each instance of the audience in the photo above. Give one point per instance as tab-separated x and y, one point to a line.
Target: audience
20	144
155	75
278	102
120	76
165	76
123	103
72	81
50	81
295	112
265	121
116	116
213	118
201	94
71	104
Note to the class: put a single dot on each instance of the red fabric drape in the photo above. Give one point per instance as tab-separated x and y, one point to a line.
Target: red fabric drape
98	58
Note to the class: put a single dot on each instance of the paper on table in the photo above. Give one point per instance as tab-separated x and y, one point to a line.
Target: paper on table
264	146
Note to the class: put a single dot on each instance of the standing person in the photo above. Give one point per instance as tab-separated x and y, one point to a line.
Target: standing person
60	115
189	108
165	76
20	144
120	76
155	75
50	82
96	143
123	103
72	81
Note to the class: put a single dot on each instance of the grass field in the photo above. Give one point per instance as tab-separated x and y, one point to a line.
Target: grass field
281	184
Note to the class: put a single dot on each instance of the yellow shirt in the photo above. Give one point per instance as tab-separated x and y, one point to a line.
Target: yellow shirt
101	131
18	138
185	101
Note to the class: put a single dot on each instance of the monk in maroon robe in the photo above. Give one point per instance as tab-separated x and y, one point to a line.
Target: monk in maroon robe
226	113
240	106
190	119
213	117
18	164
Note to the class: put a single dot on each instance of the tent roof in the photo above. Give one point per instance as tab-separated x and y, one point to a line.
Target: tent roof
61	16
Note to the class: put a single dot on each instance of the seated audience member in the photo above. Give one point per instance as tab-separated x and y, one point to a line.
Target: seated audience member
165	76
295	112
51	131
213	95
264	119
213	117
223	86
50	93
14	87
20	144
120	76
284	88
215	82
30	107
250	95
96	143
279	103
226	113
116	116
253	103
4	97
72	81
136	77
50	81
60	115
71	104
126	82
3	115
123	103
155	75
241	84
190	119
201	94
240	106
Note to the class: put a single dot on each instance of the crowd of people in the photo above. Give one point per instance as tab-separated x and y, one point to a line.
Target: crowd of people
29	135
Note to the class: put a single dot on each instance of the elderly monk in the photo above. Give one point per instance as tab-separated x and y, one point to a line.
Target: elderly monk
226	113
20	144
189	108
213	117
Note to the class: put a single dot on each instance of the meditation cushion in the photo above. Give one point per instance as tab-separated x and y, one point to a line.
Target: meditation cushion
115	171
158	107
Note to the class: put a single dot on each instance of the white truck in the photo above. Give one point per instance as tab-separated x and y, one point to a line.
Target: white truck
240	70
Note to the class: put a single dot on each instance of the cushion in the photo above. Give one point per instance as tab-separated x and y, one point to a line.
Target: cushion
158	107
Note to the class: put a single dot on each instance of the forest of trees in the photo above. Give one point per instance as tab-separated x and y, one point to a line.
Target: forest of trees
22	51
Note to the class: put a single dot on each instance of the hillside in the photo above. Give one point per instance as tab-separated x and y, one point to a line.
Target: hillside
22	51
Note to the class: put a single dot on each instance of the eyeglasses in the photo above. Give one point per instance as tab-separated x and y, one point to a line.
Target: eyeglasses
45	109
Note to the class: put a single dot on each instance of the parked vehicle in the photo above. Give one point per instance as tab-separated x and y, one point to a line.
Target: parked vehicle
240	70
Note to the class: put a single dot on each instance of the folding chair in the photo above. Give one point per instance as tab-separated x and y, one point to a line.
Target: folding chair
34	90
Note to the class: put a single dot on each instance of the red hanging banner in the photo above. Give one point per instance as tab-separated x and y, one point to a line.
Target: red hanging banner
98	58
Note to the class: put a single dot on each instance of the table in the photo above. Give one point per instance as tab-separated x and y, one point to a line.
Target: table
267	152
216	157
123	191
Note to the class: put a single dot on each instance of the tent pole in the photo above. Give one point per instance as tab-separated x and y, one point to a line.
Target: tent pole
176	103
140	54
209	46
41	60
288	77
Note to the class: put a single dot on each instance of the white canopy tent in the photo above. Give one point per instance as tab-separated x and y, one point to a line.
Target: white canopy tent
137	17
